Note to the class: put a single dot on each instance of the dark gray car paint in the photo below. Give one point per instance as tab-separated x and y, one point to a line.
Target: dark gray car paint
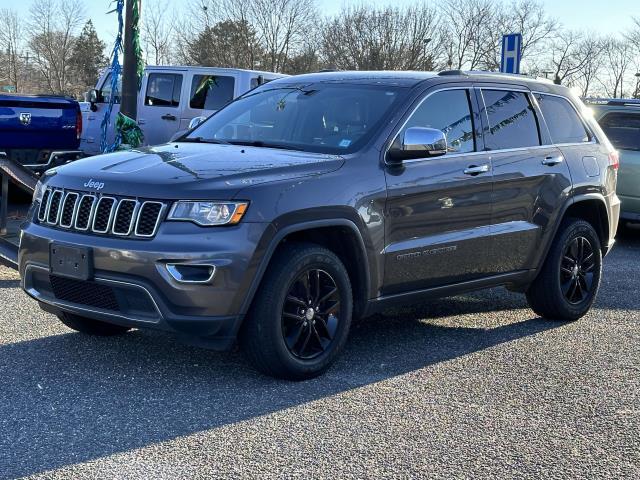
501	223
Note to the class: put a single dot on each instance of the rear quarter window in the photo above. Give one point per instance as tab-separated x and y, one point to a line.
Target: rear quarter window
564	123
622	129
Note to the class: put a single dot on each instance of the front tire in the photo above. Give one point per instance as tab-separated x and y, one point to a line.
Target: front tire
568	283
300	318
89	326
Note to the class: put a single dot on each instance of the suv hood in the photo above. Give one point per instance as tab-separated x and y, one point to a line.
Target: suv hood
189	170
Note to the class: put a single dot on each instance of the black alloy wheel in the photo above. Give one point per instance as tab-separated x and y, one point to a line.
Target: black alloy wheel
577	270
310	315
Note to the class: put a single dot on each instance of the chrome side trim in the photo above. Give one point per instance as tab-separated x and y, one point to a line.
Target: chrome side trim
75	208
32	292
136	206
109	220
158	219
91	211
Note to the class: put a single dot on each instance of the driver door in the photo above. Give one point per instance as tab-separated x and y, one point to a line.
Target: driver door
438	213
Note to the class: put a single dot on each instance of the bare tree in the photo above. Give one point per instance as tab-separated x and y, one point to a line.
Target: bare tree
11	43
469	23
157	32
591	49
54	25
617	55
569	53
366	38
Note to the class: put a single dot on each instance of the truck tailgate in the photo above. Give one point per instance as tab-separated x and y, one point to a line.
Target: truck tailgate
33	122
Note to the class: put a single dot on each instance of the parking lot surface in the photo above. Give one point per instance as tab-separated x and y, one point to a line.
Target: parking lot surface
465	387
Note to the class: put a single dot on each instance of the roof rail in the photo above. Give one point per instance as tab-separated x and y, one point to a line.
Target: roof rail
619	102
453	72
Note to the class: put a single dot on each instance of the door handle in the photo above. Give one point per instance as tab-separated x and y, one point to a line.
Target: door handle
168	116
141	121
476	169
551	160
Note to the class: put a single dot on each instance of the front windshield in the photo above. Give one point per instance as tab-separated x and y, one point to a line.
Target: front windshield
323	118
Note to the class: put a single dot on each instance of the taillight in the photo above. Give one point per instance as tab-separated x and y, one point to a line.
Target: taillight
614	159
78	124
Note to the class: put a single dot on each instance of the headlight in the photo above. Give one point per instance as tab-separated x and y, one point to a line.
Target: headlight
38	192
208	213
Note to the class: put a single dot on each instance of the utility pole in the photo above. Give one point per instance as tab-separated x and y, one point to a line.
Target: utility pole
129	97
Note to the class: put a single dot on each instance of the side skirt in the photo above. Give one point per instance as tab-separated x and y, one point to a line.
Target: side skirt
515	281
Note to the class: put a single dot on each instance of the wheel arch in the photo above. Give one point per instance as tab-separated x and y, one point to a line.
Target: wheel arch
331	234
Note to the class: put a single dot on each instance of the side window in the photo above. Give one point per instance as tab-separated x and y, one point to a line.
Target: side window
512	120
163	90
565	125
106	89
622	129
449	111
211	92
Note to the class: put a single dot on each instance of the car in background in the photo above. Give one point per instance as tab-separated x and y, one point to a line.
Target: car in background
620	120
39	131
169	99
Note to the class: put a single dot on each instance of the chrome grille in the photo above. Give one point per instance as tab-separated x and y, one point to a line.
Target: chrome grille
42	211
104	215
53	209
85	209
68	209
149	218
125	214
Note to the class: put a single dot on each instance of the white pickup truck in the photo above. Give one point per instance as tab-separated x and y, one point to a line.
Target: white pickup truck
169	98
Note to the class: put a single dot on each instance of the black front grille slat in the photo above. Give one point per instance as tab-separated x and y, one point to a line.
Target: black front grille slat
54	207
124	217
68	208
84	293
102	218
103	215
148	218
42	211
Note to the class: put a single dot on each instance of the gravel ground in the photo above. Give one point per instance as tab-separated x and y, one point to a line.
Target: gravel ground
467	387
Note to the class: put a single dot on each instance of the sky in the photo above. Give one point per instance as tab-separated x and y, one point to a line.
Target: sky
613	17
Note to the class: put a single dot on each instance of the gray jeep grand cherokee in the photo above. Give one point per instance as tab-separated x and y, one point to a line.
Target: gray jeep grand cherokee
320	198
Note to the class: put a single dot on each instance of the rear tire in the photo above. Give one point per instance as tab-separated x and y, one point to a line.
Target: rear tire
89	326
568	283
300	317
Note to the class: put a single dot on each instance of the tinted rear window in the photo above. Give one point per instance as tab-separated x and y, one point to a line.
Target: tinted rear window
211	92
622	129
512	120
565	126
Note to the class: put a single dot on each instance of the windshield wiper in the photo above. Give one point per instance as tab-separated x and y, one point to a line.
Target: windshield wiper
260	143
203	140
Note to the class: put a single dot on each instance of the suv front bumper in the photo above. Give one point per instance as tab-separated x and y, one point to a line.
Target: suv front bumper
132	286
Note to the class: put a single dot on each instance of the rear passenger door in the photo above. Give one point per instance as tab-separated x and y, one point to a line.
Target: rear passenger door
159	114
208	93
531	178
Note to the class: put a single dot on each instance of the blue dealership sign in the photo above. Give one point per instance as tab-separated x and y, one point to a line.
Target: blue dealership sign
511	50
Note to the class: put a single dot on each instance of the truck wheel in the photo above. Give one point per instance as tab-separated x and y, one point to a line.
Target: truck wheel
300	318
90	326
569	280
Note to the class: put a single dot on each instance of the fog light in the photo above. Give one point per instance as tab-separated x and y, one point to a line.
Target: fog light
191	273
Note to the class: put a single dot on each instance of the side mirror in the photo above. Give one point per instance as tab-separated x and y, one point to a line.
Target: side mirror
93	96
419	142
195	121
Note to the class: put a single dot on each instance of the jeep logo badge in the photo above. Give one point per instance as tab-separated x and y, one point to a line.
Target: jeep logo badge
93	184
25	118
